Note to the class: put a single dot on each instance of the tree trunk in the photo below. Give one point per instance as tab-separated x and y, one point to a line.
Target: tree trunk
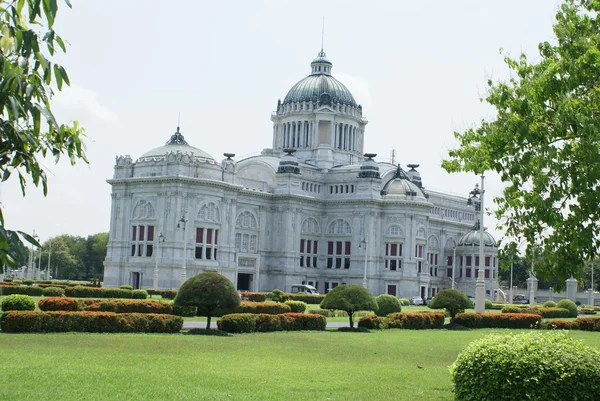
351	322
208	322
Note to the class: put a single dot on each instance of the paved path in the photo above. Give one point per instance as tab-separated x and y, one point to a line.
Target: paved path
213	325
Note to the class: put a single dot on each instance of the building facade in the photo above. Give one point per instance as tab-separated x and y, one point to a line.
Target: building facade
313	209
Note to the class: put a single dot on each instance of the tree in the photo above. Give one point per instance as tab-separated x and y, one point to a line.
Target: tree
544	143
96	246
453	301
209	292
27	83
349	298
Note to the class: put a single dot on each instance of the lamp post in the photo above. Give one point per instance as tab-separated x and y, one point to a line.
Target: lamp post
532	282
183	221
453	264
32	256
49	254
235	262
480	283
592	286
365	244
161	238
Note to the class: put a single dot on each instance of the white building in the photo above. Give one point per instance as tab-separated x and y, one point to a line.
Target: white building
314	209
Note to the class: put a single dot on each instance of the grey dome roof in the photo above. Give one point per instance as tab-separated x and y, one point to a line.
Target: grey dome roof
177	144
318	83
472	238
401	187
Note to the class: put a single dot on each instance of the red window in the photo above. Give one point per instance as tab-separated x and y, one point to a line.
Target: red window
302	246
141	238
133	238
199	235
487	261
209	235
150	233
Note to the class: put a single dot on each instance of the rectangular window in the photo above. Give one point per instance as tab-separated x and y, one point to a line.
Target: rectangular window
449	273
142	237
308	252
206	243
150	233
477	261
149	249
419	266
468	262
487	273
338	254
449	261
133	238
487	261
393	256
468	272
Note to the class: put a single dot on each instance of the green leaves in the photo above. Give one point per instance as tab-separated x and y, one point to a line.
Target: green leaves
544	143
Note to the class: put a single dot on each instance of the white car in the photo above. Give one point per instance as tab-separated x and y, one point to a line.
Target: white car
416	300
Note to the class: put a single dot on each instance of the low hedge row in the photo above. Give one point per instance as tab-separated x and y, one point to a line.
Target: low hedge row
166	294
498	320
254	296
306	298
404	320
88	322
249	323
21	290
105	305
270	308
545	312
92	292
581	323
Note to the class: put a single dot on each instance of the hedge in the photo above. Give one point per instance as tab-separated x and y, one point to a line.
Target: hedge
254	296
404	320
17	302
105	305
297	306
270	308
248	322
548	312
306	298
498	320
93	292
167	294
581	323
21	290
89	322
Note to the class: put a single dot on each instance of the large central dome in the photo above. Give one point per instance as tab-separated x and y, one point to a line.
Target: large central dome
320	86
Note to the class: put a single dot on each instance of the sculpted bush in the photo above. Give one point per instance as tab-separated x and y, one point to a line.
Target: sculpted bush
18	302
349	298
569	305
387	304
534	366
453	301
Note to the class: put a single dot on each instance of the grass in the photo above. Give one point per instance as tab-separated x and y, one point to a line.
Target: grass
267	366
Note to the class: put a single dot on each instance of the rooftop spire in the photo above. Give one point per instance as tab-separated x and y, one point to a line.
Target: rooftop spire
177	138
322	35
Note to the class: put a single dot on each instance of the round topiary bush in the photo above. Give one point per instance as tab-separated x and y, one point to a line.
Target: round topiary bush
18	302
387	304
126	287
534	366
297	306
512	309
550	304
139	294
569	305
488	304
53	292
453	301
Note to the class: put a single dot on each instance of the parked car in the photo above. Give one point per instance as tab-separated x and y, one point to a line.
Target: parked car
304	288
416	301
520	299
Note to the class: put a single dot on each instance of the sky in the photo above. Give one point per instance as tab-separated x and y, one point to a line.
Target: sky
418	68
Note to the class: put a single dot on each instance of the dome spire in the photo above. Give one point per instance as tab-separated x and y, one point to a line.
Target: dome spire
321	65
322	35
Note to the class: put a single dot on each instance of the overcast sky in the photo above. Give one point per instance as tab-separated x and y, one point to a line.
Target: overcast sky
419	68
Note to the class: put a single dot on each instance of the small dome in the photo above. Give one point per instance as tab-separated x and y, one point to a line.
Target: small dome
176	144
320	86
401	187
472	238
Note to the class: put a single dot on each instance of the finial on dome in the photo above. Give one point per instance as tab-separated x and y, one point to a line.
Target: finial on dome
177	138
323	35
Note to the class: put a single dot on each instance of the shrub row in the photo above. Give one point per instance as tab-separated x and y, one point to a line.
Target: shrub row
404	320
248	322
166	294
587	311
254	296
105	305
17	302
548	312
581	323
89	322
22	290
48	283
92	292
339	313
498	320
270	308
306	298
297	306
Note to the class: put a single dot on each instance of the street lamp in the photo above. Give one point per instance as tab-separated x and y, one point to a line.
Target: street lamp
591	300
32	256
480	284
453	263
365	243
49	254
183	222
161	238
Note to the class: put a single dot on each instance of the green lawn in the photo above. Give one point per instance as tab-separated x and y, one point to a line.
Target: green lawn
264	366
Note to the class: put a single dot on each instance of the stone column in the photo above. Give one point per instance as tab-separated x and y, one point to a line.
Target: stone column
572	289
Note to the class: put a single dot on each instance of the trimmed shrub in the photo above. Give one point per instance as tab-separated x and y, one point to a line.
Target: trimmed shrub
569	305
237	323
530	366
586	324
270	308
297	306
277	295
556	325
587	311
185	311
93	292
453	301
210	292
18	302
550	304
498	320
488	304
90	322
254	296
387	304
414	321
349	298
27	281
58	304
53	292
548	312
302	321
126	287
404	301
33	291
370	322
512	309
139	294
306	298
